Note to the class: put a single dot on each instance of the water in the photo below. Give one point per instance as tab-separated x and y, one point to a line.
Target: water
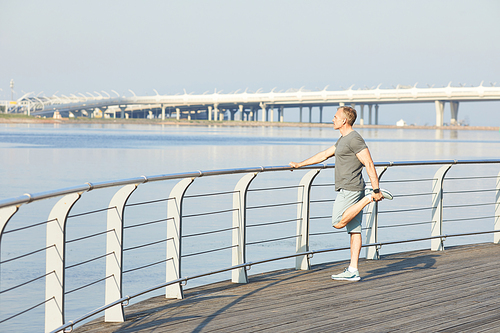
36	158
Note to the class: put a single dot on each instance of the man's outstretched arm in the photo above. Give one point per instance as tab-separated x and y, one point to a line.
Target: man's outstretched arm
318	158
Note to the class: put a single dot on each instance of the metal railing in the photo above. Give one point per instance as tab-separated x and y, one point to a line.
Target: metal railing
230	220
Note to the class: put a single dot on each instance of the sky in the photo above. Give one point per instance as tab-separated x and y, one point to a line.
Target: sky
63	47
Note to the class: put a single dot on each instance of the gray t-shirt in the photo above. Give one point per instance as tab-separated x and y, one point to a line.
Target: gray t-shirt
348	168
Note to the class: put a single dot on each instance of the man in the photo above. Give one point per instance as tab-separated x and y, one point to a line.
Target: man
351	154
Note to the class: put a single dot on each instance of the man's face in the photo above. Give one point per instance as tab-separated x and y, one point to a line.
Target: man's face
339	119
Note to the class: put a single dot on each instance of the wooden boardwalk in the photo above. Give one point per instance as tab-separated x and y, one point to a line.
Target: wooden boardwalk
457	290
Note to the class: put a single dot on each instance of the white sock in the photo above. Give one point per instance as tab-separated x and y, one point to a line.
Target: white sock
352	270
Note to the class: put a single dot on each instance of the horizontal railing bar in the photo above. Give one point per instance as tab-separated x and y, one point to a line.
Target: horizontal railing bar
248	264
25	283
326	233
29	226
209	232
471	205
89	236
147	244
145	266
92	212
469	191
320	217
27	254
470	177
87	261
405	210
406	180
208	251
324	200
88	285
413	195
27	198
271	223
24	311
147	223
274	188
147	202
403	225
275	205
469	219
272	240
326	184
211	213
208	194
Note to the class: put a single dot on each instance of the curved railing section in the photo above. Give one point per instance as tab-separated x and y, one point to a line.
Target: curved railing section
99	239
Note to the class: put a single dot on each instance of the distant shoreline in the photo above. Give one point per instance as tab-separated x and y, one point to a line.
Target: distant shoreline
11	119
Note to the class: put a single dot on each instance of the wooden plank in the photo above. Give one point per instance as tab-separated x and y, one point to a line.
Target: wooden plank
420	291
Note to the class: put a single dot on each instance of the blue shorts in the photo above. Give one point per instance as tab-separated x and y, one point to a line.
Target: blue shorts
344	200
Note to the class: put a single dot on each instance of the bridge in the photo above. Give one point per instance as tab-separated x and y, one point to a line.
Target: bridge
254	106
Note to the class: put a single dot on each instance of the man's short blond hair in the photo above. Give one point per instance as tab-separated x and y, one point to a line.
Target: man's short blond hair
349	113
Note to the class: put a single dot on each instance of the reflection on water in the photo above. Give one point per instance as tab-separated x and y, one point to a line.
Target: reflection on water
44	157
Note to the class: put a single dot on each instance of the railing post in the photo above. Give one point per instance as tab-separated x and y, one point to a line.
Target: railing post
437	244
239	228
114	251
302	243
174	234
5	215
55	260
372	224
496	235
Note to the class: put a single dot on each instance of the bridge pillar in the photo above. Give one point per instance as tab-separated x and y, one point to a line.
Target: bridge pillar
454	112
216	111
162	112
300	114
310	114
209	113
376	114
263	117
361	114
271	114
321	114
282	113
103	110
370	114
178	113
439	112
122	111
232	112
242	112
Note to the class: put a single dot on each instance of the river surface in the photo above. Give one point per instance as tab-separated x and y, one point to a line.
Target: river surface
41	157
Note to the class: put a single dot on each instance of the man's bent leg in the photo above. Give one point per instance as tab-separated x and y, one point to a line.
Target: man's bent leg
352	211
355	249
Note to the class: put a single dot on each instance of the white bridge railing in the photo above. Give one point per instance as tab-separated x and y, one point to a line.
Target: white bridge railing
237	213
